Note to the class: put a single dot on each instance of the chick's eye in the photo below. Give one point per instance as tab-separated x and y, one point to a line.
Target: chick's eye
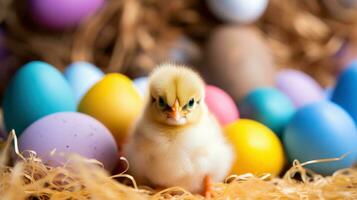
191	103
161	102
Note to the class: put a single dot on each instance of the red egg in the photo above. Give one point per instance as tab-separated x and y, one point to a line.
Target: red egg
221	105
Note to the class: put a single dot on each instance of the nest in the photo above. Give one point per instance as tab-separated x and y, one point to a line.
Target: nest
308	35
81	178
133	36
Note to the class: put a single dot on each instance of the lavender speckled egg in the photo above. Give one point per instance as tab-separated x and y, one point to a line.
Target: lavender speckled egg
299	87
61	14
70	132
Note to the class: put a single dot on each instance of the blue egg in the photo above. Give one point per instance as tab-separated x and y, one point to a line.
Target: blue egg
82	76
328	92
321	130
345	93
141	85
268	106
36	90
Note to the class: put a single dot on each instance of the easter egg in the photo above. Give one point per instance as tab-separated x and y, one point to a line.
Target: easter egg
59	14
82	76
221	105
37	89
299	87
230	61
239	11
269	106
321	130
328	92
2	128
115	102
3	47
6	61
141	84
344	57
68	133
184	50
345	91
257	149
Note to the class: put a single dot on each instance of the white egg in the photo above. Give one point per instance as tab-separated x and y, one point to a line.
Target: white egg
82	76
141	85
238	11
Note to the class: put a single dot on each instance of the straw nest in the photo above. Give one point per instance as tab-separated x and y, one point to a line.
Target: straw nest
132	36
81	178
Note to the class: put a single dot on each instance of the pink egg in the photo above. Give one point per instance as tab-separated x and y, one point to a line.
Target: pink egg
221	105
60	14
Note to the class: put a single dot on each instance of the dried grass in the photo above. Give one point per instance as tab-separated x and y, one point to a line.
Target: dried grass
81	178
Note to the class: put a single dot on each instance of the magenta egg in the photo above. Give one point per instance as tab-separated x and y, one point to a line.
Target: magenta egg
221	105
60	14
70	133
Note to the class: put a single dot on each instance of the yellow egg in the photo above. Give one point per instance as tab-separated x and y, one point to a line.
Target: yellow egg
258	150
115	102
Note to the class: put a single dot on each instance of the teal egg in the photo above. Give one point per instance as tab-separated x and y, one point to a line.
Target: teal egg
36	90
268	106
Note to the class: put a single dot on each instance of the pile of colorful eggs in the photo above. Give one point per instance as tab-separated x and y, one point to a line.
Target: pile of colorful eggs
297	119
86	112
81	111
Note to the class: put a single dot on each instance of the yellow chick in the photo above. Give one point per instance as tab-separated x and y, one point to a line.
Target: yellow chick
176	141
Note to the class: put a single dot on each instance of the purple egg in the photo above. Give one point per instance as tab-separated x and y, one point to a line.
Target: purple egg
299	87
4	52
60	14
2	128
344	57
70	132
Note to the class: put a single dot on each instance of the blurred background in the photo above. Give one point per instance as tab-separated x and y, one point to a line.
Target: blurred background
235	44
132	36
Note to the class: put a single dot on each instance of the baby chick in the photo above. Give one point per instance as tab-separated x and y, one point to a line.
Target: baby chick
176	141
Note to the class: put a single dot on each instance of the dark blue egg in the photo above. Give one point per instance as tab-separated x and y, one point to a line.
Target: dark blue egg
345	93
321	130
36	90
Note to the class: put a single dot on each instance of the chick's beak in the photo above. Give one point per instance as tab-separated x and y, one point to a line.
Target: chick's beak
175	112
